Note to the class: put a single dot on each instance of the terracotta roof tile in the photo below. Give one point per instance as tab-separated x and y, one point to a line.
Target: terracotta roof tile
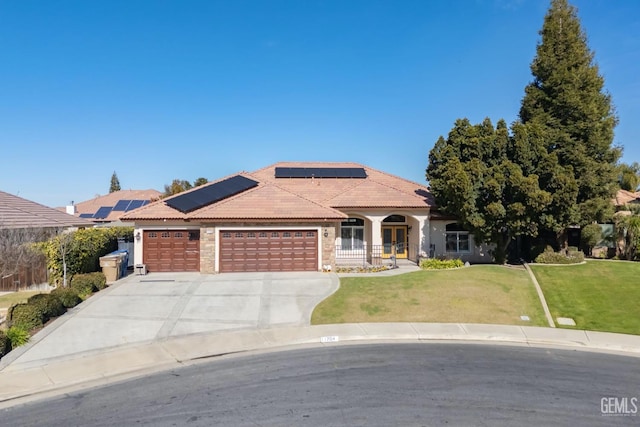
109	200
301	198
624	197
16	212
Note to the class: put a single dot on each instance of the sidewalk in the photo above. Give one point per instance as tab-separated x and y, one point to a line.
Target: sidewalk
101	367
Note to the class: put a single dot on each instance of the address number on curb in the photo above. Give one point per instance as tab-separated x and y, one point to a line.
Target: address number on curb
332	338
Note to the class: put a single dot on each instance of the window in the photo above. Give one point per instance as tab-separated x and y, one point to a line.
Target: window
286	234
178	235
262	235
298	234
311	234
165	235
395	218
251	235
153	235
226	235
456	238
239	235
352	234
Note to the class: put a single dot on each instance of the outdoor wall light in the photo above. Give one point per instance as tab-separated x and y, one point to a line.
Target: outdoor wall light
326	233
138	236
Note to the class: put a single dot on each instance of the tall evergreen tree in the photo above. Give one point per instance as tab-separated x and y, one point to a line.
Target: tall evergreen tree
472	177
115	183
569	120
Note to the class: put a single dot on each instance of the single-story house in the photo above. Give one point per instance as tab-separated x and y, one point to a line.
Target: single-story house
110	207
297	216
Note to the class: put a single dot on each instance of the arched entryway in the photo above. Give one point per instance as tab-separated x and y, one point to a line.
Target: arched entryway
395	237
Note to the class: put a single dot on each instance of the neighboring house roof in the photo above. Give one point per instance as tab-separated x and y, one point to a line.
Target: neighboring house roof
624	197
16	212
104	206
298	199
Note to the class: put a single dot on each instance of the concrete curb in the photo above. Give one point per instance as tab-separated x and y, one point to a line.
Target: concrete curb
87	370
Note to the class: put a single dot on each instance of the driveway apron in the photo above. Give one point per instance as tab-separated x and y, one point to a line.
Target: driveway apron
154	307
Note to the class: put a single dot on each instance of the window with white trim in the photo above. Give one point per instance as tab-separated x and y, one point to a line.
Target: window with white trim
456	238
352	234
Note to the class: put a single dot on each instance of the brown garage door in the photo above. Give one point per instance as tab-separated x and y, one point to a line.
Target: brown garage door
269	250
171	250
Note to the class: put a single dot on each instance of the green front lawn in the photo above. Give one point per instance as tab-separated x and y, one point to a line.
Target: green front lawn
12	298
598	295
478	294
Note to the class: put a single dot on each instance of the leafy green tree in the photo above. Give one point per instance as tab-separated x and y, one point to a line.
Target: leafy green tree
472	177
566	110
115	183
200	181
590	235
177	186
629	176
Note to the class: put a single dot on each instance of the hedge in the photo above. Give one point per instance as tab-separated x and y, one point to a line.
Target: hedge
5	344
440	264
86	284
68	296
49	305
551	257
25	316
83	250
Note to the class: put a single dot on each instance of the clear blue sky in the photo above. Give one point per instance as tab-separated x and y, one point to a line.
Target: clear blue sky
157	90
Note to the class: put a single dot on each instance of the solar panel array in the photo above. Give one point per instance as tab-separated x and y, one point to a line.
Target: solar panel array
320	173
205	195
121	206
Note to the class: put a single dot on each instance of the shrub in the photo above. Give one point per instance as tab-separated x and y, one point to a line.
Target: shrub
49	305
25	316
83	249
551	257
17	336
86	284
67	296
440	264
5	344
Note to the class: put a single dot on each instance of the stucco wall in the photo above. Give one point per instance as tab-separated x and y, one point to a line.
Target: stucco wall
477	254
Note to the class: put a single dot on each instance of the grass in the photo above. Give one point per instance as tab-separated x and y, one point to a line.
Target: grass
12	298
598	295
479	294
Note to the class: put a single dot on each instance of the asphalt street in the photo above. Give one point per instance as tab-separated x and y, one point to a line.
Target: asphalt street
357	385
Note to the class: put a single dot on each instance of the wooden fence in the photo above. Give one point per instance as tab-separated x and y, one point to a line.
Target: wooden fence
35	274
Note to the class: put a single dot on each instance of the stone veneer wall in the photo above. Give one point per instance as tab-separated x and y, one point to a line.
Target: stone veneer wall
207	250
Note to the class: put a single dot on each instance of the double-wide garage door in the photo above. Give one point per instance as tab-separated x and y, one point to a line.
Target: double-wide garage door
268	250
171	250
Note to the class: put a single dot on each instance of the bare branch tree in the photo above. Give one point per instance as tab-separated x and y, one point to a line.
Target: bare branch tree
17	250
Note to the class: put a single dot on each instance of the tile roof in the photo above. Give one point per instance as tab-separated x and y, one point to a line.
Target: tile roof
624	197
301	198
16	212
91	206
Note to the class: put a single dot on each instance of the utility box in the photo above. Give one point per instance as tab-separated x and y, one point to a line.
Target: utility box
141	269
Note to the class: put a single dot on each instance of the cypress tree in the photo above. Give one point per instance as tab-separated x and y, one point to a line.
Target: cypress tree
567	125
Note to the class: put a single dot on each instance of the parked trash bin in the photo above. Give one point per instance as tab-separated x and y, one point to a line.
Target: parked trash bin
114	265
111	267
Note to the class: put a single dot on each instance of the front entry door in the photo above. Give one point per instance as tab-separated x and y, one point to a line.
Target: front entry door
394	241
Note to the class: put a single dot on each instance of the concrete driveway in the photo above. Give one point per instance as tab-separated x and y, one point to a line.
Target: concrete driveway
157	306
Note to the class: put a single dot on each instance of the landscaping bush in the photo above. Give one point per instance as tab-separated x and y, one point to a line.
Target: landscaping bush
5	344
17	336
440	264
86	284
67	296
49	305
551	257
82	249
25	316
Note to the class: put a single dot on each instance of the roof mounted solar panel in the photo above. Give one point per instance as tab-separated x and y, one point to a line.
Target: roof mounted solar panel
121	205
208	194
135	204
103	212
282	172
86	215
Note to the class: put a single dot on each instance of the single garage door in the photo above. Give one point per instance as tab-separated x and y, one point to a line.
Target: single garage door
171	250
268	250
